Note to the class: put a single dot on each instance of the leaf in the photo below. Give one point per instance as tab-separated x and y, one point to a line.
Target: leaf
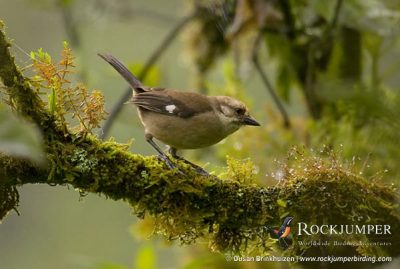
370	16
153	74
323	8
19	138
284	82
283	215
52	102
281	203
250	14
145	258
68	103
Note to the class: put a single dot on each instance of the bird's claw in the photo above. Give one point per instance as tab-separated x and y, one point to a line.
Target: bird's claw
170	164
201	171
198	169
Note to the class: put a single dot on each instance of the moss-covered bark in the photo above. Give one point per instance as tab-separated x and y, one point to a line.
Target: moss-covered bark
230	214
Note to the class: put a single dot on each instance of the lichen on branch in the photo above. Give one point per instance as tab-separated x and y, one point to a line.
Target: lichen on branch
231	214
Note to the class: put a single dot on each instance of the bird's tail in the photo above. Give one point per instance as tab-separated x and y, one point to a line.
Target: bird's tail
123	71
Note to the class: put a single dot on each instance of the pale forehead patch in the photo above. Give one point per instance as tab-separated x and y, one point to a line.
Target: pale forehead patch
170	108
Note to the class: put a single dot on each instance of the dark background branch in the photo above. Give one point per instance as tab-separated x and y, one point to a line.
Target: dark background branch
267	83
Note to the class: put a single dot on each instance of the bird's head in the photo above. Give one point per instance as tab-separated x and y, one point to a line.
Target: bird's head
234	113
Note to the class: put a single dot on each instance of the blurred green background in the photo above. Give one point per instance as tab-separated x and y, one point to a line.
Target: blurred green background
357	112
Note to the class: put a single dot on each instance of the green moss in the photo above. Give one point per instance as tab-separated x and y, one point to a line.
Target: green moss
8	199
230	214
242	171
324	191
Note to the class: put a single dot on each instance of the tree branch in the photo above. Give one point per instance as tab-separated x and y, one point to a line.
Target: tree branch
267	83
289	19
335	18
27	102
233	216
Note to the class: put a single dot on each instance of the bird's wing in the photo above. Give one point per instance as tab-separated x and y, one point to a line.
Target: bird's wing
154	102
171	103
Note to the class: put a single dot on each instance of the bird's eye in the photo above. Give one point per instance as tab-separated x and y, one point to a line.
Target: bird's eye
240	111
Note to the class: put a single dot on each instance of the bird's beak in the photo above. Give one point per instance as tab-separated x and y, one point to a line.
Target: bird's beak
247	120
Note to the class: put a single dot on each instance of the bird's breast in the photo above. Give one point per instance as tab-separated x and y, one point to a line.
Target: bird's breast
199	131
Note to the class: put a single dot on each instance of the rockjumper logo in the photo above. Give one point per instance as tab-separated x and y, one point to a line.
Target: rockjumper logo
342	229
283	233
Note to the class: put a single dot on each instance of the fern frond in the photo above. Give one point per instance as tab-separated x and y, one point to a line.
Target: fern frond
66	101
66	63
94	110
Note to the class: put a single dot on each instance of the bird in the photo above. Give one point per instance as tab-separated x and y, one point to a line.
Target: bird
180	119
283	233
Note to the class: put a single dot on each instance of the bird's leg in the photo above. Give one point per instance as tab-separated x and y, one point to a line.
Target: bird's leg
173	151
200	170
162	155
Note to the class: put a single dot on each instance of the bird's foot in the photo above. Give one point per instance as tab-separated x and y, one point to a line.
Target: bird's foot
169	163
201	171
198	169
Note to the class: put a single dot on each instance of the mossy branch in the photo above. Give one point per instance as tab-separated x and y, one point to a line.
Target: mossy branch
27	102
230	214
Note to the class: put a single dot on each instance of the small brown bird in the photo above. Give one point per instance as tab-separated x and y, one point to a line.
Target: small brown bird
183	120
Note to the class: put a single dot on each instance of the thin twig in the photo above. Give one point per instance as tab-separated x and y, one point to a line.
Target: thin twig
335	18
309	89
289	19
142	75
267	83
71	27
324	44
